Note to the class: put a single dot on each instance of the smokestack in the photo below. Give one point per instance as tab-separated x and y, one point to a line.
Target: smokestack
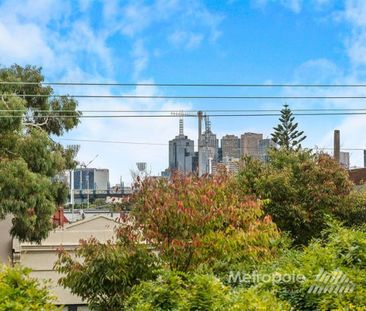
364	158
337	146
199	115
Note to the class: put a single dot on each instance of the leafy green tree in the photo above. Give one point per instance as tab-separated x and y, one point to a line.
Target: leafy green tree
185	292
104	274
340	255
299	189
19	292
286	134
353	211
29	159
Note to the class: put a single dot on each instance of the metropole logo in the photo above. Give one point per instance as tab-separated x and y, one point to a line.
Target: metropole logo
335	282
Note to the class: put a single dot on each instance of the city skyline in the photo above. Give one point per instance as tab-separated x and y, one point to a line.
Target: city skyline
223	42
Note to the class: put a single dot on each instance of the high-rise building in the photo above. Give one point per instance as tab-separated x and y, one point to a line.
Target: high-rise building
263	146
181	152
231	164
207	149
249	144
91	179
230	145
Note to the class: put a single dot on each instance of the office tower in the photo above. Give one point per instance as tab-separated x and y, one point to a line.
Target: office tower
181	151
207	149
230	145
91	179
249	143
263	147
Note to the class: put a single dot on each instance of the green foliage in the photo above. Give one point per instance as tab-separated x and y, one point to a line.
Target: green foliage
252	300
104	274
353	211
26	195
286	134
203	222
40	108
188	292
168	292
29	158
19	292
342	250
299	189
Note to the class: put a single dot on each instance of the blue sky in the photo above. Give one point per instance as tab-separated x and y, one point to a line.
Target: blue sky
180	41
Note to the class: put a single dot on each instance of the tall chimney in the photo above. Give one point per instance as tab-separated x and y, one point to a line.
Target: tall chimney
364	158
337	146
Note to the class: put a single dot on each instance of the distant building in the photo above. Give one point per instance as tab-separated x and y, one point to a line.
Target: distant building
230	145
231	164
91	179
207	150
344	159
181	152
249	144
195	162
263	146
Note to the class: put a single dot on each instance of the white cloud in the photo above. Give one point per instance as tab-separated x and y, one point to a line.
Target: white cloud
140	56
23	42
187	40
60	37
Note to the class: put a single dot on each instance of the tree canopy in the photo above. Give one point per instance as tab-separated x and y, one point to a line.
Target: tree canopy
18	291
30	160
285	133
300	190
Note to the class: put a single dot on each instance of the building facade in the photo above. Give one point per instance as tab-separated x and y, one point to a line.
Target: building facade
207	150
181	152
344	159
249	144
230	145
263	147
91	179
42	257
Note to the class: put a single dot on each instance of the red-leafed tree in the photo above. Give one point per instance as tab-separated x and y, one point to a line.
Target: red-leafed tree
194	221
184	224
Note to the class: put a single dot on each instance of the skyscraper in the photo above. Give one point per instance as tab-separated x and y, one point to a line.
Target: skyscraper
207	149
249	144
263	146
230	145
181	151
91	179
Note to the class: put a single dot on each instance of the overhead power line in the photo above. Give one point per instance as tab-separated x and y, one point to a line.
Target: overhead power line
184	111
114	142
184	96
256	85
190	116
104	141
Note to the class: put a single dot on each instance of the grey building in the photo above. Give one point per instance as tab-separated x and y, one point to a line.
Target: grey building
181	152
263	146
230	145
249	144
344	159
207	149
91	178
